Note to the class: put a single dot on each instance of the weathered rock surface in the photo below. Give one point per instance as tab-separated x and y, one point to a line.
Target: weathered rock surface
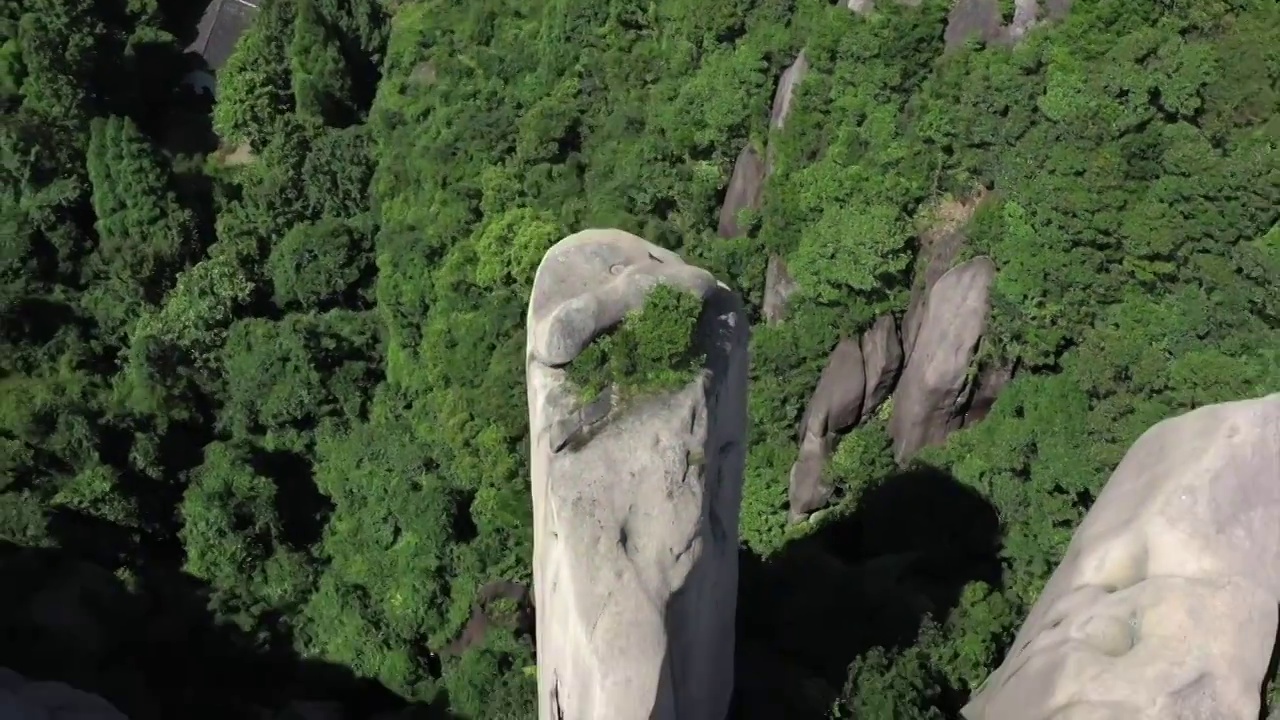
1025	15
746	186
836	405
1058	9
483	617
973	18
982	19
24	699
929	401
882	358
778	288
991	381
1165	603
786	91
636	514
938	250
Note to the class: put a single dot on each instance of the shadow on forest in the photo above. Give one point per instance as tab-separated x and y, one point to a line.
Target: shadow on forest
863	580
148	644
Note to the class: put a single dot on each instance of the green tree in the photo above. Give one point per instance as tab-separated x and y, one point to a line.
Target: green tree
145	237
322	84
255	87
651	351
318	264
233	538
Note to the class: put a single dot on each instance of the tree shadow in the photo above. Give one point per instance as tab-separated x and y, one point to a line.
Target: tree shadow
862	580
145	641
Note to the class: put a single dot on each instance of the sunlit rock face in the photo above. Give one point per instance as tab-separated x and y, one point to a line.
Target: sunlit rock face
635	507
930	400
1164	606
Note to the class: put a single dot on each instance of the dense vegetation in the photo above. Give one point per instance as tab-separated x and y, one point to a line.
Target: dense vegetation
650	351
262	424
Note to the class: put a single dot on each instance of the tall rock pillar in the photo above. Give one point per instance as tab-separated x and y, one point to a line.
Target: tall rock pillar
635	504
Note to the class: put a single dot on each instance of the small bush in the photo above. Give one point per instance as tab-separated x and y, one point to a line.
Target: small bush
650	351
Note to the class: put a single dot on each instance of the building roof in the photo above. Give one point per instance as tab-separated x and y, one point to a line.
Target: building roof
222	24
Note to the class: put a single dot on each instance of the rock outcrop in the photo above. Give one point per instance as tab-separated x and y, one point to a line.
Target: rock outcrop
778	288
936	383
836	405
991	381
859	375
983	19
939	247
1165	603
783	96
21	698
746	186
635	508
973	19
882	358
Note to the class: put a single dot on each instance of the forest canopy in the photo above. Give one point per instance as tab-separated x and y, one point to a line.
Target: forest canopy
263	361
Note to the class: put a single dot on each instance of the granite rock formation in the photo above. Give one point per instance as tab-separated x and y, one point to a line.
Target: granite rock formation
859	375
836	405
746	187
785	94
778	289
635	507
1165	603
882	359
936	383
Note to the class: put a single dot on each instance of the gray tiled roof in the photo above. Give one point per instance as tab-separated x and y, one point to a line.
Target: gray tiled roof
222	24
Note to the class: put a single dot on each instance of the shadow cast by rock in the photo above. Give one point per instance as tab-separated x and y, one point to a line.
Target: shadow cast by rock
866	579
146	643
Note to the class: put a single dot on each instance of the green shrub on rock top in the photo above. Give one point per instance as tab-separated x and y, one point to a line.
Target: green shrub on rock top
651	351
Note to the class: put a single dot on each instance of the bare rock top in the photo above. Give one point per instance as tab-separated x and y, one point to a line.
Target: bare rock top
635	508
929	401
1165	603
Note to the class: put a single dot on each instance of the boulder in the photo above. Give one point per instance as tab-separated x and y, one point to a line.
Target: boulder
1025	15
991	381
782	101
938	250
973	18
836	405
1164	605
785	93
22	698
746	185
882	358
635	510
1058	9
778	288
930	399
